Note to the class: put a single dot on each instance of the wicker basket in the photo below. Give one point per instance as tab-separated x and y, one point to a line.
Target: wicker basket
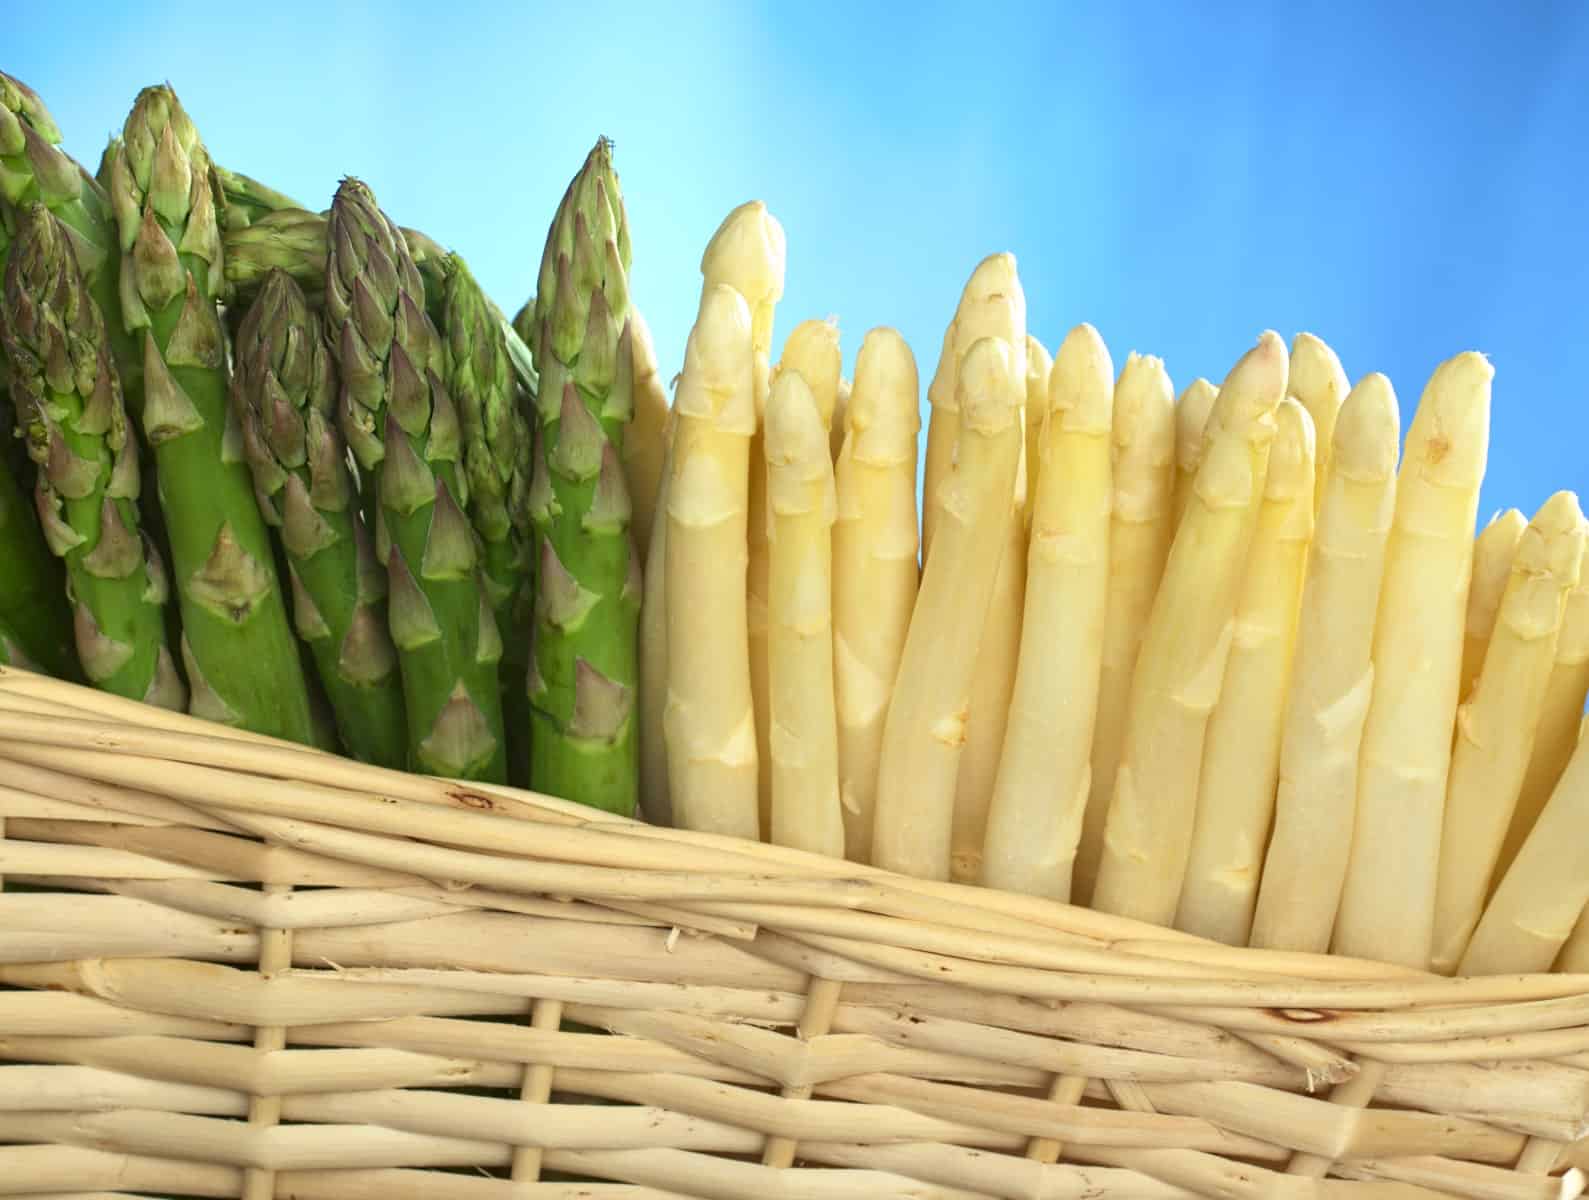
236	968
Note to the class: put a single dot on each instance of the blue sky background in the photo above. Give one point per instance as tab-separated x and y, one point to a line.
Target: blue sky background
1406	181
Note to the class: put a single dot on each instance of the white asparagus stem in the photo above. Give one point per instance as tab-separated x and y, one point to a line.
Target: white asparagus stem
1492	567
1557	734
749	253
655	801
1300	886
991	305
812	351
1319	382
1191	415
1528	923
925	727
1040	792
645	441
1148	830
1039	366
1496	724
1241	757
875	574
840	422
709	730
992	685
800	504
1387	904
1574	957
1142	471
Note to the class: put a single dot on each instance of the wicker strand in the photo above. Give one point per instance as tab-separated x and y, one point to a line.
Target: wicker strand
536	1088
822	1000
275	955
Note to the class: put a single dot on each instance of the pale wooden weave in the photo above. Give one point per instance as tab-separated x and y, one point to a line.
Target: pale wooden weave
237	968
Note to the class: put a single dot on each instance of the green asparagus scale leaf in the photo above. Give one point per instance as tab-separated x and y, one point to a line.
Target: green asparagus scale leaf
403	427
587	600
284	390
87	458
496	461
33	584
238	650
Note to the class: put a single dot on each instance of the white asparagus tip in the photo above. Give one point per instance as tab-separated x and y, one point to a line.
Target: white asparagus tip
883	367
1290	470
749	246
995	275
1039	363
1548	546
795	438
721	330
812	349
1073	398
1449	436
1313	362
1368	432
988	404
1254	386
1191	415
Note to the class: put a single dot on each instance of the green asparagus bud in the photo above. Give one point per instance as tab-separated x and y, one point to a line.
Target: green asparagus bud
247	200
403	427
240	656
87	458
584	668
284	391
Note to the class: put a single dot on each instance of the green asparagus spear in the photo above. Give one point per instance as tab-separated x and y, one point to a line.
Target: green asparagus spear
587	604
284	390
87	457
238	650
247	200
403	427
12	652
32	584
496	462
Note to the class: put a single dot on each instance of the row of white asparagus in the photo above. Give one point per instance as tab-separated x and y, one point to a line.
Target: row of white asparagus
1217	663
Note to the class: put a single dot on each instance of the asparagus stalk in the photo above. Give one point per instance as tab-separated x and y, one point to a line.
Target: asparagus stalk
645	444
841	407
497	456
1536	915
1559	717
88	479
1039	366
707	721
1493	552
1179	671
1387	905
284	391
992	304
241	661
1191	415
400	421
1241	756
1497	723
925	727
811	351
874	566
1142	472
656	801
247	200
1332	679
1034	820
12	652
1319	383
32	583
584	664
800	508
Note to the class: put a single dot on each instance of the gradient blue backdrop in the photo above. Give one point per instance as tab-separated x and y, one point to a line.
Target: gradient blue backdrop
1405	180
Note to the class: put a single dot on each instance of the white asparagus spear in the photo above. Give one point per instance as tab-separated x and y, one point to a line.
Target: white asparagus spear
1492	567
925	728
875	575
1531	921
1557	734
1300	886
1387	905
1040	792
1496	724
1241	756
749	253
800	503
1191	415
1039	366
1319	381
710	733
840	422
1182	662
645	441
1142	473
992	304
655	801
812	350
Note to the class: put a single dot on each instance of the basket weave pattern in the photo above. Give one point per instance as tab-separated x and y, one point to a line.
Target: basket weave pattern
238	968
